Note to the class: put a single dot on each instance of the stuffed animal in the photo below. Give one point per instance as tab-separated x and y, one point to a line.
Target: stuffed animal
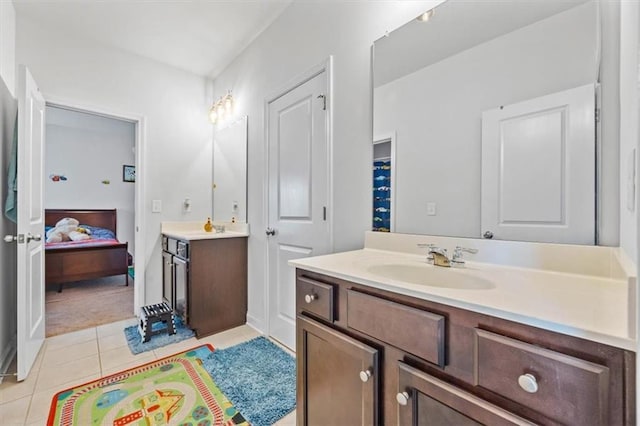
66	229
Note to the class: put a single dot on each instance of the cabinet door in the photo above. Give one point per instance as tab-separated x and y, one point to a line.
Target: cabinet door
427	401
167	278
181	286
338	377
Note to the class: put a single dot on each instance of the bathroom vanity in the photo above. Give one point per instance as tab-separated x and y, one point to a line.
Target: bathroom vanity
385	338
205	275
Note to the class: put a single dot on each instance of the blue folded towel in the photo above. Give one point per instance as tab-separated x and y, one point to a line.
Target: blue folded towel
11	205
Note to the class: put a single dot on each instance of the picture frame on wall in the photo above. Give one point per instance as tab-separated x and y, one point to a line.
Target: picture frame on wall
128	173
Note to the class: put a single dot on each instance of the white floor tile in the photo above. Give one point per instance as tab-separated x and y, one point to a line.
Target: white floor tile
57	356
115	327
64	340
112	341
14	412
288	420
120	356
73	371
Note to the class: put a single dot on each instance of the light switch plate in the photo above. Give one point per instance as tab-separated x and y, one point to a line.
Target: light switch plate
156	206
431	209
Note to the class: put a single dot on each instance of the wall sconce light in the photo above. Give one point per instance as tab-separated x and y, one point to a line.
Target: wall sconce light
222	108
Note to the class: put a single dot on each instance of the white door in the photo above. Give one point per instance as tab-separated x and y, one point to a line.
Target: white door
30	241
538	169
298	194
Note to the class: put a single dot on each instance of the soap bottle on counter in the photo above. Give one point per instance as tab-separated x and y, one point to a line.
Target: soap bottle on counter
208	226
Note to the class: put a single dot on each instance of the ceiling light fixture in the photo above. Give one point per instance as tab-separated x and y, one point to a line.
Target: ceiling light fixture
222	108
426	16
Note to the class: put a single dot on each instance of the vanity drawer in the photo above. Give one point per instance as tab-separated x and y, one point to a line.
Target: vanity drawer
565	389
315	297
412	330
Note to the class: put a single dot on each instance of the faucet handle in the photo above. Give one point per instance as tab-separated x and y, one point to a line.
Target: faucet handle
430	247
457	254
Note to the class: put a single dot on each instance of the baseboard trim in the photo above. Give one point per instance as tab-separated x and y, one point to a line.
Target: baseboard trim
7	357
256	324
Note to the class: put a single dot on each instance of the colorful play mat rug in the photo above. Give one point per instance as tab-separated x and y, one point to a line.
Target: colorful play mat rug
176	390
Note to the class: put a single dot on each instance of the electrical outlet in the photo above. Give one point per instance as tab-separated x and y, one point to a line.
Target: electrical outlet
431	209
186	205
156	206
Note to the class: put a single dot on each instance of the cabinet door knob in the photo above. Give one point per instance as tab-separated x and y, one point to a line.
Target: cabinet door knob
365	375
403	398
310	298
528	383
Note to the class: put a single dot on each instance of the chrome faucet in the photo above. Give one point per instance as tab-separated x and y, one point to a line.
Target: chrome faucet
438	256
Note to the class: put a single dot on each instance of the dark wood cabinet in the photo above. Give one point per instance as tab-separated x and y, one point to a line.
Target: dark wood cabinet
207	282
425	400
337	377
441	365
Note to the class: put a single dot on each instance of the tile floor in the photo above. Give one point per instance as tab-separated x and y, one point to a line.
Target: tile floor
85	355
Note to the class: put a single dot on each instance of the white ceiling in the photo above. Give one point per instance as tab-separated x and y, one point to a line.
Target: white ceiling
200	36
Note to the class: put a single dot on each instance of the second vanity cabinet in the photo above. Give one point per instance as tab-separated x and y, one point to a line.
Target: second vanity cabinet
368	356
205	281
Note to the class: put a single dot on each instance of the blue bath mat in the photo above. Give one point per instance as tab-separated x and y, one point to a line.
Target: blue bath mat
258	377
134	340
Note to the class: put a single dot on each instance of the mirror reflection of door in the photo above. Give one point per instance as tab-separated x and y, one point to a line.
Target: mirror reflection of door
230	172
538	176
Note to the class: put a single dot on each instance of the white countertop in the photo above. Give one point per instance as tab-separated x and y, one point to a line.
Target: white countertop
195	230
591	307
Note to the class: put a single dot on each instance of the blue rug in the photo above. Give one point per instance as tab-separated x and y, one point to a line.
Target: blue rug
258	377
134	340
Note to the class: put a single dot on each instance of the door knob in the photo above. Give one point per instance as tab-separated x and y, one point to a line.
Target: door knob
365	375
14	238
270	231
403	398
36	237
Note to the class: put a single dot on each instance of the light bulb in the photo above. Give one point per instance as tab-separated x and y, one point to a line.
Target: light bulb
228	104
213	114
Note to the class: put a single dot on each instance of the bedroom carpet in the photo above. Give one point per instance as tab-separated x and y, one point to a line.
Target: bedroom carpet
88	303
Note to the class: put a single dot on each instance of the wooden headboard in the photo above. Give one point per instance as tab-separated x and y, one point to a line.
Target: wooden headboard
101	218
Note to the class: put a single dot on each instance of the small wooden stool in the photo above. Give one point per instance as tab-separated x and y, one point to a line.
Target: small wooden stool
152	314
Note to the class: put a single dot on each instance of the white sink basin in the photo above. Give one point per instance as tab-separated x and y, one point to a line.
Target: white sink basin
432	276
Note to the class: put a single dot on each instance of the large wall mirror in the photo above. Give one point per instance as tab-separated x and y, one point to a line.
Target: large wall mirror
491	108
230	172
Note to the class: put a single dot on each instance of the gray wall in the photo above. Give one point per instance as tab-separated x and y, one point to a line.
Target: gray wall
8	111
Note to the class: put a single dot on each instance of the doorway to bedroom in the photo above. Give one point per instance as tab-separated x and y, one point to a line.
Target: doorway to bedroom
89	199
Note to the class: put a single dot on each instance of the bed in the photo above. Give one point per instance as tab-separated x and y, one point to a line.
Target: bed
74	261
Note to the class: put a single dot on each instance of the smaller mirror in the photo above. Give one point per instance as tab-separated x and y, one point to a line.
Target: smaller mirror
230	172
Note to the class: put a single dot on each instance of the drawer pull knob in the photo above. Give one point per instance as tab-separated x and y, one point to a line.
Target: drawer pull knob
403	398
528	383
310	298
365	375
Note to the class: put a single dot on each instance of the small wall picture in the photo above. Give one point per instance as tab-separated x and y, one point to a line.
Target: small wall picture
129	173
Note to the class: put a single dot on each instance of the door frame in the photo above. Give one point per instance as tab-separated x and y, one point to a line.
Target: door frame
139	201
298	80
